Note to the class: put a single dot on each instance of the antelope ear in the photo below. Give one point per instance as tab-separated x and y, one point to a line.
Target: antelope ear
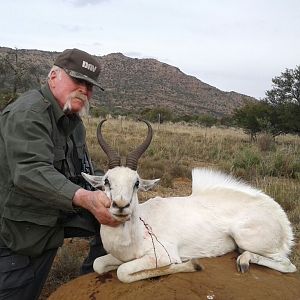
94	181
146	185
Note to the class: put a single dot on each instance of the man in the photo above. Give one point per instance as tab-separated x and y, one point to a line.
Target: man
42	195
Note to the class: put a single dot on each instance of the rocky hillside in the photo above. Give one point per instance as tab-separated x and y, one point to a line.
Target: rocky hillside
136	83
132	84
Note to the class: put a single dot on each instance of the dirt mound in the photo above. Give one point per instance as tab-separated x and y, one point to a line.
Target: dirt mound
219	281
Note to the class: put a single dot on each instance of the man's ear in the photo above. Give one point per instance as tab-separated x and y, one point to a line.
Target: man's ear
52	76
94	181
146	185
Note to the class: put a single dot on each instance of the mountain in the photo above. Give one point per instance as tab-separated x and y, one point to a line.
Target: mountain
132	84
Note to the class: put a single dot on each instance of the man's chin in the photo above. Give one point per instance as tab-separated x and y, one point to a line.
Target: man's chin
80	107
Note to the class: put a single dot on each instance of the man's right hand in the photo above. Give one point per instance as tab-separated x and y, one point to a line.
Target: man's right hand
97	203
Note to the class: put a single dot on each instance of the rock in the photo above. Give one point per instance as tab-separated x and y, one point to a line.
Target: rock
219	280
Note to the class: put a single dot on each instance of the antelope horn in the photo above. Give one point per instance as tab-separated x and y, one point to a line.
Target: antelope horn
114	159
133	157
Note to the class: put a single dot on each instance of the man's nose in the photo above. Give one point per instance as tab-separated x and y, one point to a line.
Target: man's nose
86	89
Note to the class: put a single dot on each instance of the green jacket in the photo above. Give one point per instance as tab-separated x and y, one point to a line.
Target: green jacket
36	160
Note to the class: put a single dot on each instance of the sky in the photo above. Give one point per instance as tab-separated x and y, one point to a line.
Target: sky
234	45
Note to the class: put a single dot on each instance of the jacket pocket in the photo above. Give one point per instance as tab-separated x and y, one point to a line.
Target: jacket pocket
15	270
30	233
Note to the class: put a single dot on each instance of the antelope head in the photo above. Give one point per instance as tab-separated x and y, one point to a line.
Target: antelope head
121	183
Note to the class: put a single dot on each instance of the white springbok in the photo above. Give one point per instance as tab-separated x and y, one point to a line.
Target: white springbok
169	235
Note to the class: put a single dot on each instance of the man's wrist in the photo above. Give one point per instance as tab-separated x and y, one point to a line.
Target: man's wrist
79	198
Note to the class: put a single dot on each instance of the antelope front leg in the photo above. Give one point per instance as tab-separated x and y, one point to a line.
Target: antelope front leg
142	268
106	263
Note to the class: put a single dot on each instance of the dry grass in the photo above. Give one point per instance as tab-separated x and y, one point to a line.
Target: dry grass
273	167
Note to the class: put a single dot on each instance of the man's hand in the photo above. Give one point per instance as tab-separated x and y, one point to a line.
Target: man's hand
97	203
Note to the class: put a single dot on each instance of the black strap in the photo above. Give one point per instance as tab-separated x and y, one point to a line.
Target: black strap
77	162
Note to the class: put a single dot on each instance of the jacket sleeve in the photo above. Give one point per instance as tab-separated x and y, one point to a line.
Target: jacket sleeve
29	149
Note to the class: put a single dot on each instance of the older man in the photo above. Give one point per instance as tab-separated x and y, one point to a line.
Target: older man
42	195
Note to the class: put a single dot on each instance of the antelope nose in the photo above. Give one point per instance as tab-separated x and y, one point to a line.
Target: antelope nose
120	206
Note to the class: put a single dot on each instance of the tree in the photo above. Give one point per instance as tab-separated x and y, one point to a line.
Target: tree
279	112
246	118
207	120
286	88
158	114
97	111
289	117
284	97
257	117
5	99
15	71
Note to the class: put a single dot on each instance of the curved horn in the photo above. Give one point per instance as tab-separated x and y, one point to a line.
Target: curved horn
133	157
114	159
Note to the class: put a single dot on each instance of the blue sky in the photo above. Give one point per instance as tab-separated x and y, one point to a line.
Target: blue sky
230	44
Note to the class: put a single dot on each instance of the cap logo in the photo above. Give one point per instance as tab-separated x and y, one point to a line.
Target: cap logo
88	66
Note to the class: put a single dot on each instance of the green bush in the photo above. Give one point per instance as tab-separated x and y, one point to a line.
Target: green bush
285	164
246	162
97	112
159	114
5	99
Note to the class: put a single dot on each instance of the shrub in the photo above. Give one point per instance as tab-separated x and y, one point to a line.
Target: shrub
266	142
246	162
285	164
5	99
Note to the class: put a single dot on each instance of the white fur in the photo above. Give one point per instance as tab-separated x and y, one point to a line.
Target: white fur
221	215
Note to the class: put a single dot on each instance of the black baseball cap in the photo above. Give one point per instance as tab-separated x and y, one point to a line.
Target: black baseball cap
79	64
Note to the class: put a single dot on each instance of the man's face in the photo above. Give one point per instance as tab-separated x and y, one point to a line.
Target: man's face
72	94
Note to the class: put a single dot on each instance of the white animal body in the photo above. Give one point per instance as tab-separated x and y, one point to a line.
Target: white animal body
221	215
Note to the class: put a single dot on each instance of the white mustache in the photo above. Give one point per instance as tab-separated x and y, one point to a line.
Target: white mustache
76	95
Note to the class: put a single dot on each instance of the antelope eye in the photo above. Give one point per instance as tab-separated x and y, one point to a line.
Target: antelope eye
106	182
137	184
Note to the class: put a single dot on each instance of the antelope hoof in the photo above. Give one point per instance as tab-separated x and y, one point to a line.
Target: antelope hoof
197	265
242	267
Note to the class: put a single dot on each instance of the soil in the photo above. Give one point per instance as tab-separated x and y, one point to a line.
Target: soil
218	281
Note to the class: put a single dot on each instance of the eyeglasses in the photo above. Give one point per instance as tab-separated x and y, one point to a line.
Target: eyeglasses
80	81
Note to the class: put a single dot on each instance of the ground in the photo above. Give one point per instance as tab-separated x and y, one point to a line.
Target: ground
218	281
